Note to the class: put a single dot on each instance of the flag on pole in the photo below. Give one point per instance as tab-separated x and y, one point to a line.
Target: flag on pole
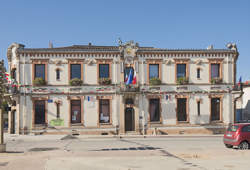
239	81
126	77
134	78
130	78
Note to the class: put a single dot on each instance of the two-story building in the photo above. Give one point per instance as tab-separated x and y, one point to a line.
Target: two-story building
119	89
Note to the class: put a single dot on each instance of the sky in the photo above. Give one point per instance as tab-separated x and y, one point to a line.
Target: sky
169	24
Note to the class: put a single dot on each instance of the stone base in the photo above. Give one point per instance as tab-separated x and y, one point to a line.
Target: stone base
2	148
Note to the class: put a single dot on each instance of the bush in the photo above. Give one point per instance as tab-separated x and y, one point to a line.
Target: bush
39	81
75	82
105	81
182	80
155	81
216	80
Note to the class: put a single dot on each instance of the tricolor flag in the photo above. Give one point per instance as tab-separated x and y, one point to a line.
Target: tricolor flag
239	81
126	77
134	78
130	78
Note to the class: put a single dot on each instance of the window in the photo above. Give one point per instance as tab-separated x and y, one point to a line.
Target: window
40	112
215	70
246	128
199	108
57	74
104	111
153	71
103	70
40	71
154	110
13	74
198	73
57	110
181	70
75	71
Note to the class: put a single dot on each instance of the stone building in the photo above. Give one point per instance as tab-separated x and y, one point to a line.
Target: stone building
122	89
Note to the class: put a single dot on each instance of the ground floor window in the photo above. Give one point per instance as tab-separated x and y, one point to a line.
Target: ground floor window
39	112
104	111
215	109
181	109
75	111
154	110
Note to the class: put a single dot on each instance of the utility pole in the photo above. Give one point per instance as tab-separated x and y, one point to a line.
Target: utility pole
2	91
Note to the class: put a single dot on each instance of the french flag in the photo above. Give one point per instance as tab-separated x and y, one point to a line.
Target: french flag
130	78
134	78
126	78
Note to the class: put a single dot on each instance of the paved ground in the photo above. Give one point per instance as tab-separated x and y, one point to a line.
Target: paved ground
96	153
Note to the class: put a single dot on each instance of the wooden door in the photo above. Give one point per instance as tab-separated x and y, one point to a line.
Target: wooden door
129	119
182	109
215	109
75	111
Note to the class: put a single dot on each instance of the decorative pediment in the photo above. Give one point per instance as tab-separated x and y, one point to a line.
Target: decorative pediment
91	61
198	62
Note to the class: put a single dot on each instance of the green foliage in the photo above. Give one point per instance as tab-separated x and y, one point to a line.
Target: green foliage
216	80
155	81
75	82
182	80
105	81
3	80
39	81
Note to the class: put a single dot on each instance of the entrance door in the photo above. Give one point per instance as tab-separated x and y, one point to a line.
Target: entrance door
40	112
182	109
75	111
129	119
215	109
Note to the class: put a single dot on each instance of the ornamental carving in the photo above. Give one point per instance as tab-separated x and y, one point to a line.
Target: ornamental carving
128	51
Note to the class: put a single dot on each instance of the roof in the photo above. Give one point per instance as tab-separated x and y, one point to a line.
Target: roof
94	48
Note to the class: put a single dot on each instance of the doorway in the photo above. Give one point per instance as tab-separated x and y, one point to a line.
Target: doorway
215	109
182	109
129	119
75	111
40	112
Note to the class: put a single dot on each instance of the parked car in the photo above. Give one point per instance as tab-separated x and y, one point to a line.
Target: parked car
237	135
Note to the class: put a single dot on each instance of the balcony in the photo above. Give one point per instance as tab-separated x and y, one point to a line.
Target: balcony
129	88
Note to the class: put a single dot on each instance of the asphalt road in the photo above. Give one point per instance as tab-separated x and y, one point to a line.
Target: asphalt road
88	152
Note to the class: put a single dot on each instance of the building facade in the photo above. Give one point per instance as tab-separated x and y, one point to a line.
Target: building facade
85	88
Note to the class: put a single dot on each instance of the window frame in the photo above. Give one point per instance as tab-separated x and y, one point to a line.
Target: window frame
216	61
75	62
155	61
182	61
157	68
40	61
99	62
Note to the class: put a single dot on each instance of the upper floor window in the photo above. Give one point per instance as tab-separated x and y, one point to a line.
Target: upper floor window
181	70
153	71
40	71
57	74
215	70
198	73
75	71
103	70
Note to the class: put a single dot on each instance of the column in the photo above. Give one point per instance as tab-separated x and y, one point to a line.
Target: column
122	126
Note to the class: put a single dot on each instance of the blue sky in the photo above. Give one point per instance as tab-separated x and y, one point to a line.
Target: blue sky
158	23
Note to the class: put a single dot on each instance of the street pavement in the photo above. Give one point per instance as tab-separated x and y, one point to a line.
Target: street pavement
61	152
